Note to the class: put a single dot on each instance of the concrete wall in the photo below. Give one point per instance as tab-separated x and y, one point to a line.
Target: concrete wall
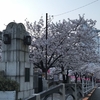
15	58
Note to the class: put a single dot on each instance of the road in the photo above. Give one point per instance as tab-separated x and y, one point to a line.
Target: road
95	95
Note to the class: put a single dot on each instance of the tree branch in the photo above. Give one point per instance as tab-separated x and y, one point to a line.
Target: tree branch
54	61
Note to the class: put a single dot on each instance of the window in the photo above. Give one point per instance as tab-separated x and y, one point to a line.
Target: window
27	74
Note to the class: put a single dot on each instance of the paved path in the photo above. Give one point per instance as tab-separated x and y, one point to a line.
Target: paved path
95	95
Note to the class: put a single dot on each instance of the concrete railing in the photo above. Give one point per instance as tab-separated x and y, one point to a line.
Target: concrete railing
86	88
71	90
59	89
76	91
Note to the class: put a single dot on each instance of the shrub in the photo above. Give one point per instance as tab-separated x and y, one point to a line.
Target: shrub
8	84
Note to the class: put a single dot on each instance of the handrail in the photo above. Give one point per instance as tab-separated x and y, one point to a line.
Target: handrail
59	89
32	98
51	90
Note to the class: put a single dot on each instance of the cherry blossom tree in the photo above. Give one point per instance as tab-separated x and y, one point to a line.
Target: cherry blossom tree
70	44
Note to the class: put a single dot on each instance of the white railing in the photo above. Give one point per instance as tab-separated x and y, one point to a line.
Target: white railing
59	89
87	87
64	90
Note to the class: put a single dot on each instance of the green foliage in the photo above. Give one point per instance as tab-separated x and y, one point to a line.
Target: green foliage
8	84
20	99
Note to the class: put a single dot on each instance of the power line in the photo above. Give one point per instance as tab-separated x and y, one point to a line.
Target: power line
76	8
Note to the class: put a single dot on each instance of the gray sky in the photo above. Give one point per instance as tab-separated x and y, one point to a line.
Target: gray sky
19	10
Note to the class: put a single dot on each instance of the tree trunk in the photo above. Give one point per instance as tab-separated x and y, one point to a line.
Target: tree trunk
64	81
62	70
76	76
75	79
46	75
67	78
81	77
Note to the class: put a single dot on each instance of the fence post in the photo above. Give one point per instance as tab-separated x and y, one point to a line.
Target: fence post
76	91
86	87
83	87
37	96
63	92
92	82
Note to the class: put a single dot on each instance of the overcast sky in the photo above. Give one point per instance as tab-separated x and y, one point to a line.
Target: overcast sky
19	10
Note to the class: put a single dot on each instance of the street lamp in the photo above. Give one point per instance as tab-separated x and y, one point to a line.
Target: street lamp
27	40
7	39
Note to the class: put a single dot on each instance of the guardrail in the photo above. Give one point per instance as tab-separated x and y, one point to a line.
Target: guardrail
76	91
59	89
32	98
86	88
71	90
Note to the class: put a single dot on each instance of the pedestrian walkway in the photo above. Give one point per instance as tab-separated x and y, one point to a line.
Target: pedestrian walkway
95	95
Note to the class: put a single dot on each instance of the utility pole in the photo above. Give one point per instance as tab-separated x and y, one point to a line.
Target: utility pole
46	40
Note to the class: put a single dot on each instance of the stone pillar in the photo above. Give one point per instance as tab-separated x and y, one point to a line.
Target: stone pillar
15	59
